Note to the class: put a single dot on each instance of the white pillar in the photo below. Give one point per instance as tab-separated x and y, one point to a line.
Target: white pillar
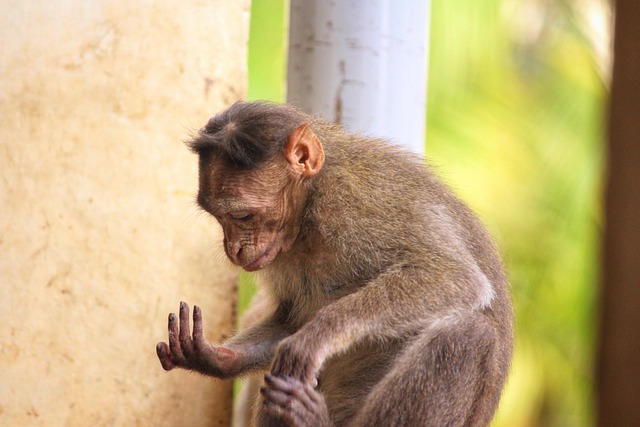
362	63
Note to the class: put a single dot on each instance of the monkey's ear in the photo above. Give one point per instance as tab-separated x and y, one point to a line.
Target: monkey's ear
304	151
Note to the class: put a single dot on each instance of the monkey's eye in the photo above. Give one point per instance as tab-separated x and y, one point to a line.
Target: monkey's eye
241	216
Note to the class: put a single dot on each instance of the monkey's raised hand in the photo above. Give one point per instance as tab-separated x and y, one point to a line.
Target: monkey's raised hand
193	353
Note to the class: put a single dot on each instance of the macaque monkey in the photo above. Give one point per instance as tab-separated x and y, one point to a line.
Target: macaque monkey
383	300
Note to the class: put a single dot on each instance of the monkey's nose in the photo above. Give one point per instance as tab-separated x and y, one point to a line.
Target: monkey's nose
234	250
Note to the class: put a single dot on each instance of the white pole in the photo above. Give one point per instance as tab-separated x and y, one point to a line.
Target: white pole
362	63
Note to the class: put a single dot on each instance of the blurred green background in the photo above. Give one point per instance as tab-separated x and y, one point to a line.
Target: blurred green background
515	124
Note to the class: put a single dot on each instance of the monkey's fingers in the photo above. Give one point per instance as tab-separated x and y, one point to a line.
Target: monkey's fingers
198	333
293	401
295	388
281	405
162	350
174	342
186	344
283	413
201	347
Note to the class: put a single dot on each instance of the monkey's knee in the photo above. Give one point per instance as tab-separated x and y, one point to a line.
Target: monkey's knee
441	379
460	371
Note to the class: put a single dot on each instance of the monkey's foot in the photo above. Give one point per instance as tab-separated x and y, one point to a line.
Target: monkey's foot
296	403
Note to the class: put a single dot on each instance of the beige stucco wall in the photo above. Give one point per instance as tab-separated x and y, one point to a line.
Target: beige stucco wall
99	234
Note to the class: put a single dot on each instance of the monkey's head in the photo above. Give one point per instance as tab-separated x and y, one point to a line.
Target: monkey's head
256	160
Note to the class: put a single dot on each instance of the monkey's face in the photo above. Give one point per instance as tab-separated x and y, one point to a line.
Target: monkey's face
257	209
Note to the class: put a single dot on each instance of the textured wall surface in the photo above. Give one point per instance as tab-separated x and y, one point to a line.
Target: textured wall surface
99	234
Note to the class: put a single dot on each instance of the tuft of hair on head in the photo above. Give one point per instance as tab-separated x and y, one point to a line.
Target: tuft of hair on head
248	133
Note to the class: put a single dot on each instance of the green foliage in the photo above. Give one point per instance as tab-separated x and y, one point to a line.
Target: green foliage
515	125
267	50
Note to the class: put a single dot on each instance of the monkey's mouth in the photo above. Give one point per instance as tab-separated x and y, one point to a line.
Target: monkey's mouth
262	260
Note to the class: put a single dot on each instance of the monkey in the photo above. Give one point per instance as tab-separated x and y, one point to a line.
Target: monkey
383	299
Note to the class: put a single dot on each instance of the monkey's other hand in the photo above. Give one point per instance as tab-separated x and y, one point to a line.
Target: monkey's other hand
296	403
193	353
296	358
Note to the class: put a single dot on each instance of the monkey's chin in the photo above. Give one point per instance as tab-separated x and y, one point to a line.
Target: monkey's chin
262	261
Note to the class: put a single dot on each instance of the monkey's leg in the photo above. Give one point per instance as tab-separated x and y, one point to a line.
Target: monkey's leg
446	377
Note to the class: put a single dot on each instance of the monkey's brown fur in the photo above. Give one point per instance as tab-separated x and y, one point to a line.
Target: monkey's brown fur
384	299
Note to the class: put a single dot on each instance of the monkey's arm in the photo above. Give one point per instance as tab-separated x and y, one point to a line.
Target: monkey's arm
398	303
250	351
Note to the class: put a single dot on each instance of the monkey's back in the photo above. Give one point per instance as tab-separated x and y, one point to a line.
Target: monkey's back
395	206
382	206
